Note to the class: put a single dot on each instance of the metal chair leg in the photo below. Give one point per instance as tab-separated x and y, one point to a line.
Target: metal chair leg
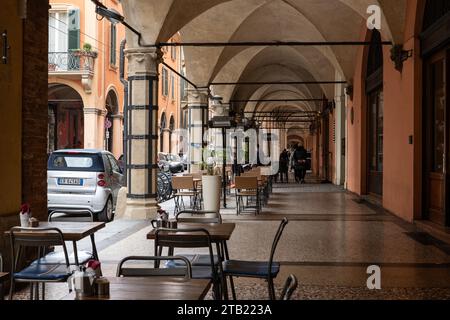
271	289
31	291
43	291
233	290
11	289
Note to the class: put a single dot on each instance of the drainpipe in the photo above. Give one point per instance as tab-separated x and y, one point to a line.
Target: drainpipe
125	104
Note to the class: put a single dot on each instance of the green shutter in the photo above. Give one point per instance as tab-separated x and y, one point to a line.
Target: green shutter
74	29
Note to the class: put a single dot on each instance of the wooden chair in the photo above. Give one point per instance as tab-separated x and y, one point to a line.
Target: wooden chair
247	187
192	238
184	187
186	272
289	287
253	269
37	272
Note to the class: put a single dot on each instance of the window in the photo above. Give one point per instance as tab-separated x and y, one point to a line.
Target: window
165	82
172	80
112	47
173	53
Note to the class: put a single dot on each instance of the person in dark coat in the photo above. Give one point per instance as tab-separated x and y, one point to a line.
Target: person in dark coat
284	166
300	156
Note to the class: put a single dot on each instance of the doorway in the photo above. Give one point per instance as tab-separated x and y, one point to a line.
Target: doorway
437	137
375	117
66	118
435	47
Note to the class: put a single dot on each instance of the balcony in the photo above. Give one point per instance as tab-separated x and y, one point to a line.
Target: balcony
76	65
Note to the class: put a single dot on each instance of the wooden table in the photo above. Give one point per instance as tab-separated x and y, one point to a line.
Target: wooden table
153	288
218	232
73	231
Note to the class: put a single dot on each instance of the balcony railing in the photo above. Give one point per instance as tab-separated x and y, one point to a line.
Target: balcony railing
74	61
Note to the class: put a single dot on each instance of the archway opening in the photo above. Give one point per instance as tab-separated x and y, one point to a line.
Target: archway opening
163	126
65	118
112	107
375	116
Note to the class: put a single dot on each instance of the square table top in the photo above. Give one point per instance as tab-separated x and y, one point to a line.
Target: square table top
72	231
152	288
218	231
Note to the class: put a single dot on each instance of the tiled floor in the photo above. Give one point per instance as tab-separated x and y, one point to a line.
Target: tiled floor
328	244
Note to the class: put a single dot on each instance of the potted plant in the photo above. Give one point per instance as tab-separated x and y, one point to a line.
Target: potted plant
211	186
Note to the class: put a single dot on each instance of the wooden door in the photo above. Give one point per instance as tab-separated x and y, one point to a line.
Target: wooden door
375	143
437	138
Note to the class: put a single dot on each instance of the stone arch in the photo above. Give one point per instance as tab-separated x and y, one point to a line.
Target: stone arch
66	117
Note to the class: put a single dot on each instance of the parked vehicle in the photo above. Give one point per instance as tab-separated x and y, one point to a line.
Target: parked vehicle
168	162
82	181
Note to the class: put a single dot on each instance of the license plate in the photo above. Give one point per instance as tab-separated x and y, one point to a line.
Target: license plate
70	182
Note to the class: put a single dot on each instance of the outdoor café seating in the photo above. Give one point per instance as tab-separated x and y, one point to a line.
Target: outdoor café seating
37	272
192	238
184	187
267	270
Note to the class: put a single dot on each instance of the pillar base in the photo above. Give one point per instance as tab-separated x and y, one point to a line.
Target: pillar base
137	209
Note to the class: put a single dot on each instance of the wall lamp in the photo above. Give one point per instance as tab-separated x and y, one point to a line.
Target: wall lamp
116	17
398	56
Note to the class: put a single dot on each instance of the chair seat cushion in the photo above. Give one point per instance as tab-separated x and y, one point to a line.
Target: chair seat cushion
197	260
250	268
198	272
44	272
58	258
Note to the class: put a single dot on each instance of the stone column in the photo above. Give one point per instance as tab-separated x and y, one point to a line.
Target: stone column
142	133
91	131
197	125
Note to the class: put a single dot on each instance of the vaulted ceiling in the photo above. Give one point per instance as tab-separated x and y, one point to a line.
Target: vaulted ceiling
204	21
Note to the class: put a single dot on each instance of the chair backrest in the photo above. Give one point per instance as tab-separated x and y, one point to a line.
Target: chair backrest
193	216
185	238
154	272
289	287
38	238
249	183
1	263
183	183
280	230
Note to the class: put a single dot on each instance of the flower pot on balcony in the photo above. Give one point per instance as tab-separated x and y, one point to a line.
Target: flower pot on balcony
211	186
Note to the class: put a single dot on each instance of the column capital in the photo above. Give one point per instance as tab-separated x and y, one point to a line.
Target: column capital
198	96
143	61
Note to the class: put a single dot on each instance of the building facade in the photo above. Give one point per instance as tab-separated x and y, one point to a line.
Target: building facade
85	94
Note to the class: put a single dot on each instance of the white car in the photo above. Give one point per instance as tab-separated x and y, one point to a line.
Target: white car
84	181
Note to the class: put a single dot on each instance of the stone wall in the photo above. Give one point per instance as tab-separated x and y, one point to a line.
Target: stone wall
34	108
34	120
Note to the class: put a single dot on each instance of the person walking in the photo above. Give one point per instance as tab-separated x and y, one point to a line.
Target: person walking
300	156
284	166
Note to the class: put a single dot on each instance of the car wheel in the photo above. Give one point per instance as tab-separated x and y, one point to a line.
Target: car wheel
107	214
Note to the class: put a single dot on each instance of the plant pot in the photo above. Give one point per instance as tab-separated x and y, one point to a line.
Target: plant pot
211	187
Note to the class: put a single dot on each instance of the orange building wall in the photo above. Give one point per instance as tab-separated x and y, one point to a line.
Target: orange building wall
401	102
167	105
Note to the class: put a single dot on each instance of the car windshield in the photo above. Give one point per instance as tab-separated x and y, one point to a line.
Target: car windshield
173	158
75	162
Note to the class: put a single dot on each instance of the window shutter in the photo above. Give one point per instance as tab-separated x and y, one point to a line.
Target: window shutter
74	29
